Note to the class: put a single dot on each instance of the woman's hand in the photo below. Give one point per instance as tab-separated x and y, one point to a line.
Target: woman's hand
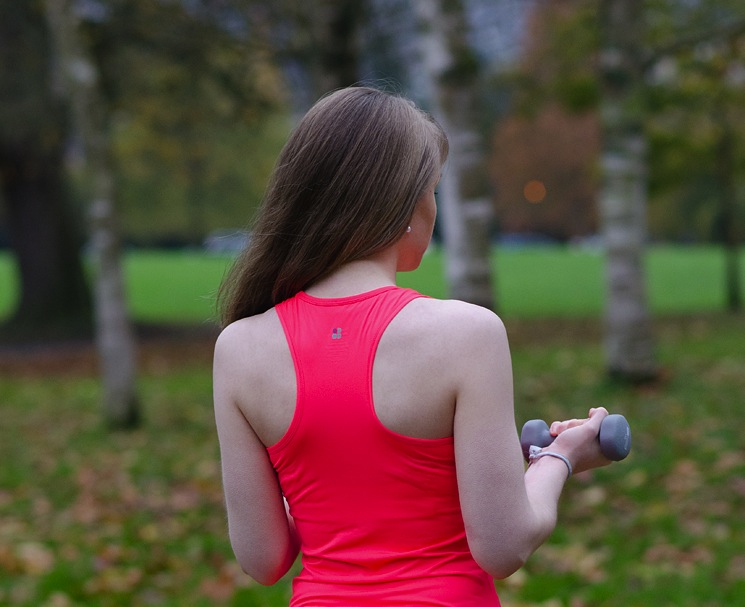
577	439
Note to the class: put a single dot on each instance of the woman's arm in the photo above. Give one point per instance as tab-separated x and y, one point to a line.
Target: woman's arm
508	512
261	530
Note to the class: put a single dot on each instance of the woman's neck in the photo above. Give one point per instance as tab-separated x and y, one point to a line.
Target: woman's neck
356	277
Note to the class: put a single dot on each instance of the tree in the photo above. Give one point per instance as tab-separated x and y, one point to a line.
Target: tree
587	57
105	52
604	54
318	45
464	199
176	68
114	333
697	132
629	342
44	231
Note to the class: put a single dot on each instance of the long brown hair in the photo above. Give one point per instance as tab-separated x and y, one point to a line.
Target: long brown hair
344	187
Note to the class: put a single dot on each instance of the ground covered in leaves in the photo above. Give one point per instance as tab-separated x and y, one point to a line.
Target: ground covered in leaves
90	517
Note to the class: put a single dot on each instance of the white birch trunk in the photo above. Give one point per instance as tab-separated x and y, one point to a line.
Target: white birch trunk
465	208
629	342
114	336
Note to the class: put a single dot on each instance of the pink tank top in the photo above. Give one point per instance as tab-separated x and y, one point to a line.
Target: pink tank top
377	513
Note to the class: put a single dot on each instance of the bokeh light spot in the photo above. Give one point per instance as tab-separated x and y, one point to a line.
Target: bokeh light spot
534	191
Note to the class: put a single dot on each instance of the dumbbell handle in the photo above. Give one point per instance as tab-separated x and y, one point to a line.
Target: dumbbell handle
614	436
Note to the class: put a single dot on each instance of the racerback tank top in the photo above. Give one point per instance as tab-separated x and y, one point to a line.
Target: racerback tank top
377	512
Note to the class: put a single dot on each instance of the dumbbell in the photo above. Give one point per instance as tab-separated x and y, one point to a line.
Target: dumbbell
614	436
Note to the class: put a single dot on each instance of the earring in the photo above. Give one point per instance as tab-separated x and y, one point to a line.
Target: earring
408	230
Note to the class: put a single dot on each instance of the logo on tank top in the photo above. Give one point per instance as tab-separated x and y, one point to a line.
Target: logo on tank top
336	333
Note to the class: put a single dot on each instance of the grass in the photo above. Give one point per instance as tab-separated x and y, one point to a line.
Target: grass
663	527
551	281
91	518
180	286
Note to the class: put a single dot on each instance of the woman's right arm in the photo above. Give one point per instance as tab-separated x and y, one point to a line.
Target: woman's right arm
508	512
261	530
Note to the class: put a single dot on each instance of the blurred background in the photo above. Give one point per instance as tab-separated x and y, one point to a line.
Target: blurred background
594	197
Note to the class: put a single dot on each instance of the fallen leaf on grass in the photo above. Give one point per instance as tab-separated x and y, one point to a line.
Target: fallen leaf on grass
114	579
58	599
223	585
684	479
34	558
728	461
576	558
672	558
736	569
592	496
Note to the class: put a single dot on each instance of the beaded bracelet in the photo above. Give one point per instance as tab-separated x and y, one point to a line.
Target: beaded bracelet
536	453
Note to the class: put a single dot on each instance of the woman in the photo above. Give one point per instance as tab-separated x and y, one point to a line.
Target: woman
366	426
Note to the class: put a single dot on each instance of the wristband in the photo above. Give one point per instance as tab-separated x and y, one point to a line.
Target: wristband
536	453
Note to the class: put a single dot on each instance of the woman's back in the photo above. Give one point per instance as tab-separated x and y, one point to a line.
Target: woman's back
377	510
414	371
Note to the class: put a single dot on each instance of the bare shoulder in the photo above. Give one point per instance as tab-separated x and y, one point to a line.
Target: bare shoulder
448	335
457	322
249	344
262	327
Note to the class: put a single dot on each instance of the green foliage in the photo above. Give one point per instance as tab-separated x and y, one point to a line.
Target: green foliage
698	104
578	93
193	101
687	91
179	65
181	189
134	519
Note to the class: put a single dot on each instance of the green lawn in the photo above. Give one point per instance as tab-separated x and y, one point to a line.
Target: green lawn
180	287
90	518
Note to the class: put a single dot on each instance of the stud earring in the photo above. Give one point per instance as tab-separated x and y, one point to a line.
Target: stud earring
408	230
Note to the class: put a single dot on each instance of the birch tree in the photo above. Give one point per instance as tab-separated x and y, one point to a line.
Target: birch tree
629	343
464	198
625	61
114	335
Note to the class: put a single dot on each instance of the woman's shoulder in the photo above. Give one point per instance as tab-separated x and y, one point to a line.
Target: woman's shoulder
452	327
244	327
454	315
240	338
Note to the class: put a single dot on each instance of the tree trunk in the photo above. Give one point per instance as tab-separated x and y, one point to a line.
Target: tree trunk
339	52
114	335
54	297
726	224
55	301
629	343
464	199
326	44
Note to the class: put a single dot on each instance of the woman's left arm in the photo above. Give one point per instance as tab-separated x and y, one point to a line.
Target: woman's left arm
261	530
